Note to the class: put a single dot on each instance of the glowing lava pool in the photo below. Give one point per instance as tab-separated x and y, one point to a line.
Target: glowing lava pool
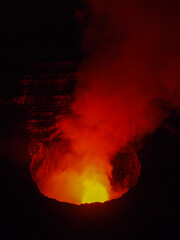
94	192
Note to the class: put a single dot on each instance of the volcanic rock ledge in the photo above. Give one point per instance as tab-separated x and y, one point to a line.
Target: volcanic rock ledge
47	96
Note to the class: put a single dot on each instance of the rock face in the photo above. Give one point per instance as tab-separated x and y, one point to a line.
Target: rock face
47	98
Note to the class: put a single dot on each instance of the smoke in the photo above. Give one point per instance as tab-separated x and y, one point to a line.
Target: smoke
130	78
127	84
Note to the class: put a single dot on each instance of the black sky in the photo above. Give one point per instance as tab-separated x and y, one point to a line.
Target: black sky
34	30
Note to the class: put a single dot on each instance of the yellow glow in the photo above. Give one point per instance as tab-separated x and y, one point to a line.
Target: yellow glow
94	192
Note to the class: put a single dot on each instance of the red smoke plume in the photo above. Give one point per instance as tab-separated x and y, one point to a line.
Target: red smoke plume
126	86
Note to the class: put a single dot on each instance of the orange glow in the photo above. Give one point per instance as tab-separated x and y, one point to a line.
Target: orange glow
79	180
71	186
125	87
94	192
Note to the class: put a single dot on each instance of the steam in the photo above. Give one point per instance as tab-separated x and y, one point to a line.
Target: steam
130	78
127	84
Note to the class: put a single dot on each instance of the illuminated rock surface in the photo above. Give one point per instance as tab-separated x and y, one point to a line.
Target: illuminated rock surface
47	99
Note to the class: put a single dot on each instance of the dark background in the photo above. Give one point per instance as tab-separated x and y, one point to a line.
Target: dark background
34	31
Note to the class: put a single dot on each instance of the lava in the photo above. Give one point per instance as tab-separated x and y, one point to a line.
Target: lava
81	180
94	192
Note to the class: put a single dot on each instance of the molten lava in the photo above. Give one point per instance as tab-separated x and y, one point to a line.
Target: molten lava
81	180
94	192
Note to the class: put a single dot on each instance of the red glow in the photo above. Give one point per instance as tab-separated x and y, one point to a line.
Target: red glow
118	99
66	178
